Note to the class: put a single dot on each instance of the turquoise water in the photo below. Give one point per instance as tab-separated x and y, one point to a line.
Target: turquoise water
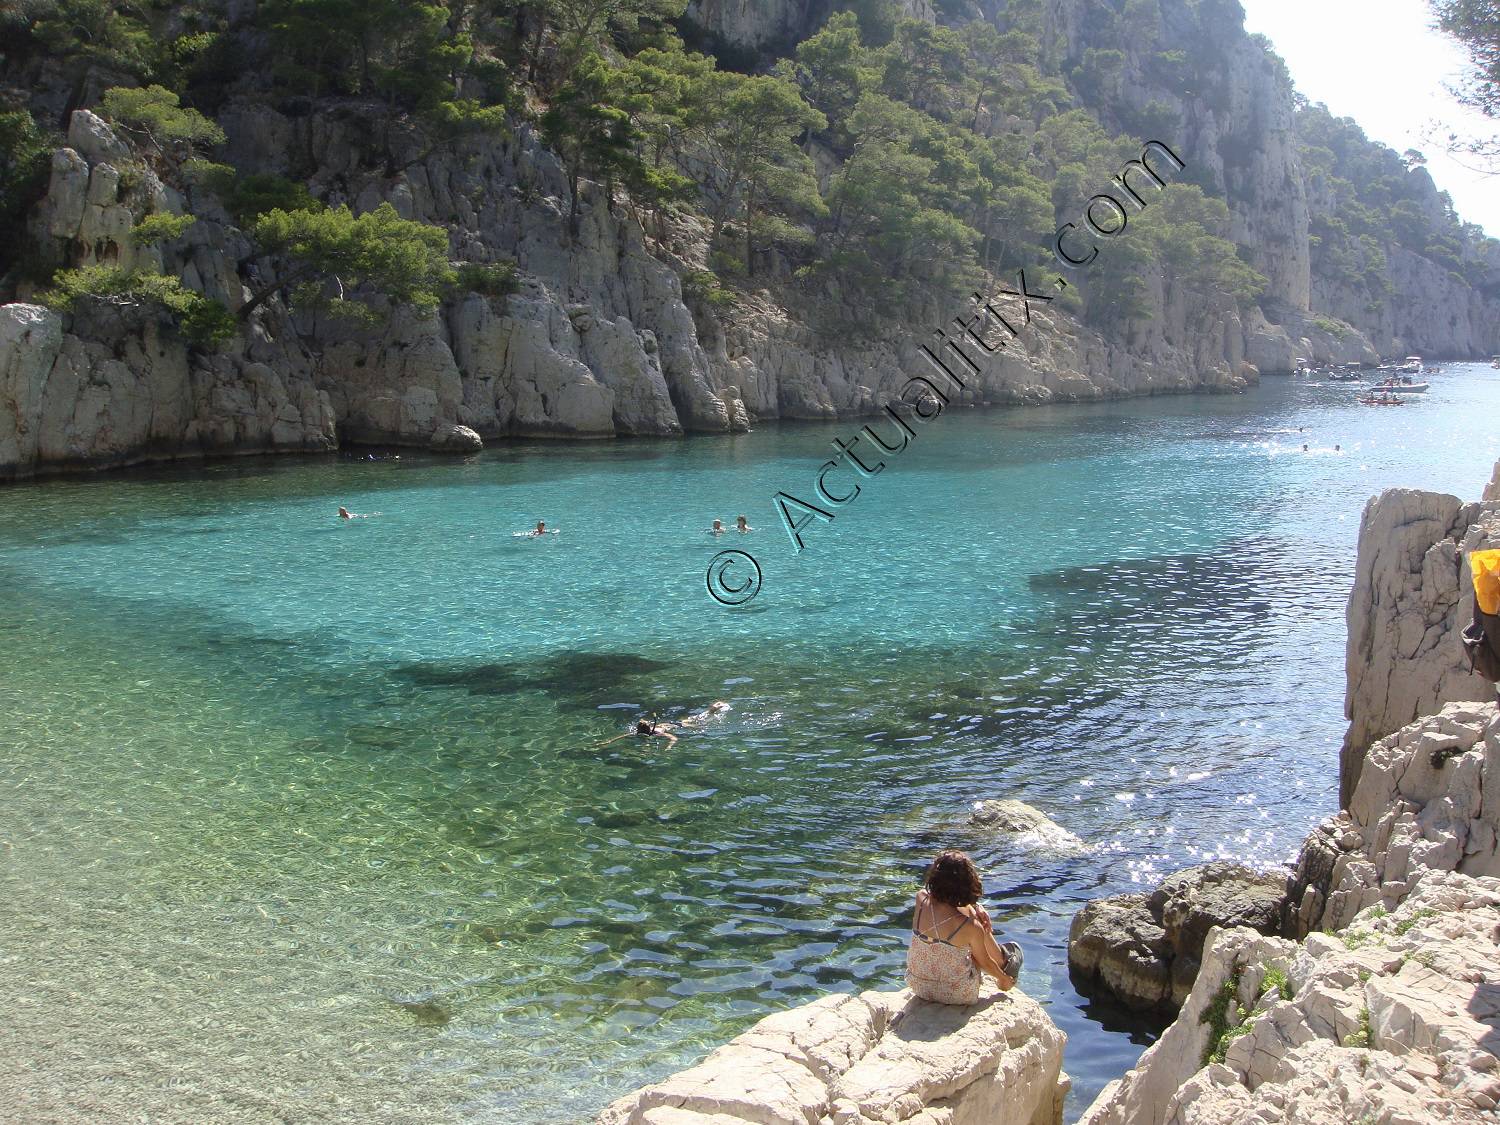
308	818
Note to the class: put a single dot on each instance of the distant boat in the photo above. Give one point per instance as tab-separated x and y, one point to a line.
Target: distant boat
1403	386
1412	365
1344	375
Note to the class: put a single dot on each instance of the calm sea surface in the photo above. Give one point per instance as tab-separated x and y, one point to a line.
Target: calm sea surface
306	817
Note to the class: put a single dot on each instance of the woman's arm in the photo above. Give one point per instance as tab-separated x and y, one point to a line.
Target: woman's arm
981	943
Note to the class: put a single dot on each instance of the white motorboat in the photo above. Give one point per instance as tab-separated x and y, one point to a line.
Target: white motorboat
1412	365
1403	386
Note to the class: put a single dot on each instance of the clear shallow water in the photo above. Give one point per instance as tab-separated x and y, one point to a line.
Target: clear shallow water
307	817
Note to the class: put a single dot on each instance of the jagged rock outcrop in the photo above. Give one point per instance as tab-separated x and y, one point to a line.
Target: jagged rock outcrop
1412	596
875	1057
1397	1020
1407	878
1144	950
1428	799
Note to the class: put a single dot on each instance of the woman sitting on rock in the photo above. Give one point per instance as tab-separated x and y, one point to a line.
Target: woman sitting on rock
951	936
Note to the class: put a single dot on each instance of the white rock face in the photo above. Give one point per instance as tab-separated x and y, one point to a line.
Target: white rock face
1412	596
75	401
30	340
1395	1021
875	1057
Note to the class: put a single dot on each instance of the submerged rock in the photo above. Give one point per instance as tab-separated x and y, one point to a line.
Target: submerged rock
1030	826
875	1057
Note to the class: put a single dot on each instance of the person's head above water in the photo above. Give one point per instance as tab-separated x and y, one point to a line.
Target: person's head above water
541	526
718	525
741	522
644	726
344	513
953	879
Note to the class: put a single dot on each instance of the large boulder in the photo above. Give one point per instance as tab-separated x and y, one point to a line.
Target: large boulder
875	1057
1144	950
1117	946
456	439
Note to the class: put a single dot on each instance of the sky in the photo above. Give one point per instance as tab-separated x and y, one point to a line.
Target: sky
1381	63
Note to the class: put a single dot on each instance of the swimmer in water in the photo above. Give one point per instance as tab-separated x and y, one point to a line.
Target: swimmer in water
712	711
1304	447
644	728
742	525
541	528
345	513
1338	449
717	529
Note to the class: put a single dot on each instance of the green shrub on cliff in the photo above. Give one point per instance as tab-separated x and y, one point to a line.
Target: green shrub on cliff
160	227
203	321
330	253
246	198
156	115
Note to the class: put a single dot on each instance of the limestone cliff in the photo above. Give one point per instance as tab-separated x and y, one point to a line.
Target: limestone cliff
599	340
1412	596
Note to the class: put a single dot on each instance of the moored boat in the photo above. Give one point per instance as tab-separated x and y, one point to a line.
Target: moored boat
1412	365
1403	386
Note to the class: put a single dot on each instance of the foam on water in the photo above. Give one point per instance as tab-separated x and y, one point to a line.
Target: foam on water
310	817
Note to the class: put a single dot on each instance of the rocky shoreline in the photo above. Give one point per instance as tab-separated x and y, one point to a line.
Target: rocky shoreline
1361	985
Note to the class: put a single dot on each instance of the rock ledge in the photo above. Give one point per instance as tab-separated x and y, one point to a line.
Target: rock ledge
875	1057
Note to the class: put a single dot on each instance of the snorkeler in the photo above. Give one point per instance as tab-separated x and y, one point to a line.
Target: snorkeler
712	711
644	728
742	525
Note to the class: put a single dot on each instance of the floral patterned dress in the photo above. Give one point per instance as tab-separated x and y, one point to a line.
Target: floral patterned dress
935	968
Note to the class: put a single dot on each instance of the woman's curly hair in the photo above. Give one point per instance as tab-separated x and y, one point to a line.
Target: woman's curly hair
953	879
